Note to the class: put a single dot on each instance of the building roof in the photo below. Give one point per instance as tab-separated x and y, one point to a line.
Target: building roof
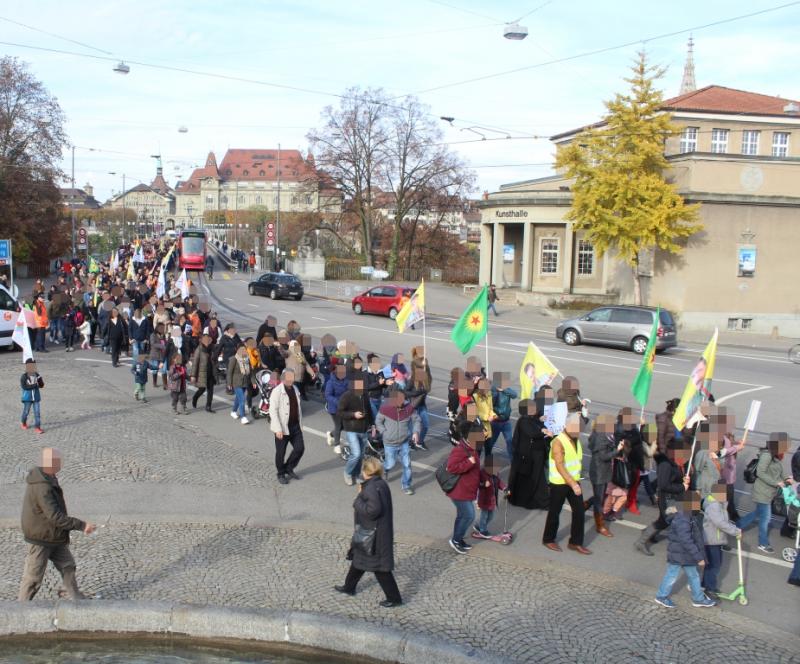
160	185
264	165
192	185
78	198
715	99
719	99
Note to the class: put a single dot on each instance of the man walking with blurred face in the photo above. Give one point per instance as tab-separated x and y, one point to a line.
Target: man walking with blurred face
46	527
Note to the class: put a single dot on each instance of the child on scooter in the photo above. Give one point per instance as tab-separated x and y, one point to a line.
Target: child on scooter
488	493
716	527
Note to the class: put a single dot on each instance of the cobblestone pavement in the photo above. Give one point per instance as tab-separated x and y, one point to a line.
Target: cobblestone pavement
525	615
513	606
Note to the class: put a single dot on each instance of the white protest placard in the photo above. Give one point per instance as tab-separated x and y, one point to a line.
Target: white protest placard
555	417
752	416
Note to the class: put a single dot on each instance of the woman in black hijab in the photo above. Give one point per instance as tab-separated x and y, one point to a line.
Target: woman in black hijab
527	480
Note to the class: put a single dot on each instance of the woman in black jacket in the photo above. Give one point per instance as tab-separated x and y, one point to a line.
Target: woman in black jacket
115	336
373	511
527	479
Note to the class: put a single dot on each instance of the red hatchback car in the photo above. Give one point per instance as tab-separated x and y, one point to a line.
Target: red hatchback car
384	300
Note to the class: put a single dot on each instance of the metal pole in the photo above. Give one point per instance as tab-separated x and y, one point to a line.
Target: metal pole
278	214
73	203
123	208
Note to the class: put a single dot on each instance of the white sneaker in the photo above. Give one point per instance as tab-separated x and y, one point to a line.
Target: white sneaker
329	438
244	420
234	415
337	449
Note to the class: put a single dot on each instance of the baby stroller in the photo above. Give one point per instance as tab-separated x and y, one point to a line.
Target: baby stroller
374	446
265	385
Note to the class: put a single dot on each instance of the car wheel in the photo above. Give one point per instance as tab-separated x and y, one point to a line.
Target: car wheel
392	313
298	297
273	294
358	309
571	337
639	345
251	290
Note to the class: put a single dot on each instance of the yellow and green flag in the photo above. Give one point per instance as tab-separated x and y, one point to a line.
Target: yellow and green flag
536	370
473	324
698	387
641	384
413	311
93	267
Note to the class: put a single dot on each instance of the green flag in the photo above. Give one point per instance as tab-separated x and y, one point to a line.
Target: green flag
641	384
93	269
473	324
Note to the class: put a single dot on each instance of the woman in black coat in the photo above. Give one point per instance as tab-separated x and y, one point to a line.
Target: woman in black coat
527	480
115	336
373	510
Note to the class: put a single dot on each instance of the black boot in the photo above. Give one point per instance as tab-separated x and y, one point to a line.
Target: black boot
642	544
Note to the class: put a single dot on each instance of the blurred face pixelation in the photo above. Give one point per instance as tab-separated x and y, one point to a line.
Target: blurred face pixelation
341	371
501	379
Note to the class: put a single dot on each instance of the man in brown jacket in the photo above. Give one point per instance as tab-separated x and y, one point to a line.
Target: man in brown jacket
46	526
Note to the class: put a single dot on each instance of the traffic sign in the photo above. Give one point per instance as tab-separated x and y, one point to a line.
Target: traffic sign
83	238
5	249
367	269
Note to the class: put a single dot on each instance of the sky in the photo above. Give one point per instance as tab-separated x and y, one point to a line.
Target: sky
430	48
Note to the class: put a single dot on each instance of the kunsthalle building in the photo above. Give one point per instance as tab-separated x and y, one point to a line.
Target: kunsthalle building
738	155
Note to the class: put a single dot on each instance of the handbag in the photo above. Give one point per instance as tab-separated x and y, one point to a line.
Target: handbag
621	473
363	540
445	478
779	507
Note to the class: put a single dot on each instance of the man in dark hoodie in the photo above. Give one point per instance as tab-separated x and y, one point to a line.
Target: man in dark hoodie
356	416
46	526
396	418
671	483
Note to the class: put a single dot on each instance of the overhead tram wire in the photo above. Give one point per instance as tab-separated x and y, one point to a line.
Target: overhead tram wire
227	77
52	34
608	49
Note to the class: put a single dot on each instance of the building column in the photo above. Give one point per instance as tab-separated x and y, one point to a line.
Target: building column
485	269
497	255
604	276
527	256
569	252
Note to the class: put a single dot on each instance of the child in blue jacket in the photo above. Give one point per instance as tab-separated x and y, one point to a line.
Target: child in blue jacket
685	552
31	382
139	371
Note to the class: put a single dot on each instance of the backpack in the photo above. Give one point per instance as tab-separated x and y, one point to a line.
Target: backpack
750	470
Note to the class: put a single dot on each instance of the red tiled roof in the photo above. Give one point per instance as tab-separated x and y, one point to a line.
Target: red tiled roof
160	185
263	165
719	99
192	185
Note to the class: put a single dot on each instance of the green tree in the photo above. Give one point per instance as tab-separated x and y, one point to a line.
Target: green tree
621	199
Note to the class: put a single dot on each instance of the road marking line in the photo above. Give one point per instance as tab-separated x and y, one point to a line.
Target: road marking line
283	311
230	299
317	318
255	306
741	392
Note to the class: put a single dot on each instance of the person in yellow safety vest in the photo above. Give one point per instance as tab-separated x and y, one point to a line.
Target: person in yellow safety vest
566	457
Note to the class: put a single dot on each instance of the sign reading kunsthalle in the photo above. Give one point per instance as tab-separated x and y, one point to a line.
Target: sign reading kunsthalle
511	213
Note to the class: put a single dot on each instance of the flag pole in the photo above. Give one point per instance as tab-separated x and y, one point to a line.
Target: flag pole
486	342
424	339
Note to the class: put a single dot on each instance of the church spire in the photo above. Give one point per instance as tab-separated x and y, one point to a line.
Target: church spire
688	83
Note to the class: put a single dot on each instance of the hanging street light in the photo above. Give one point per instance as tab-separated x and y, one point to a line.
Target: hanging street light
122	68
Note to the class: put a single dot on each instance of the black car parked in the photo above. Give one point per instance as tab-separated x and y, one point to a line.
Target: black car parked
277	285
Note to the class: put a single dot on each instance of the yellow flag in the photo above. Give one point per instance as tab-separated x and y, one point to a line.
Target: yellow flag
536	370
131	275
698	387
413	311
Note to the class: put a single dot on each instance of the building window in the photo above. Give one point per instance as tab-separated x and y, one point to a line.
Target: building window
689	139
275	199
309	199
719	141
585	258
209	200
258	200
245	172
750	141
224	200
261	173
780	144
241	199
548	258
294	200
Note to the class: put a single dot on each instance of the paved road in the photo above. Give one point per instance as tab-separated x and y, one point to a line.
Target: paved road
179	489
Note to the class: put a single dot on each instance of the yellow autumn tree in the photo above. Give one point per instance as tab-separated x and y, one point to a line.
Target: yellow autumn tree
621	199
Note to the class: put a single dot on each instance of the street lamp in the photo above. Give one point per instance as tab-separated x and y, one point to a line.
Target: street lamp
123	203
122	68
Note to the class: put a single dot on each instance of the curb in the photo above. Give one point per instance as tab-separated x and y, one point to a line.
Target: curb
292	628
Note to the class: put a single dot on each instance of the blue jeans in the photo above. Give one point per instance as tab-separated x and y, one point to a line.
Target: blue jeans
503	427
795	573
713	564
465	515
239	400
425	421
356	442
491	307
375	405
37	415
485	520
41	335
671	576
154	368
392	453
762	512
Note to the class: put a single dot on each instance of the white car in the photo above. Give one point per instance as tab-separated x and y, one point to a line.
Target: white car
9	312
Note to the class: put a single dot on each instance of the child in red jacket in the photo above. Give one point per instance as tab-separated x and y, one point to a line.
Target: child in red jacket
488	492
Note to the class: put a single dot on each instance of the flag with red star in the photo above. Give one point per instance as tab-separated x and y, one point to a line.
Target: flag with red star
473	324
